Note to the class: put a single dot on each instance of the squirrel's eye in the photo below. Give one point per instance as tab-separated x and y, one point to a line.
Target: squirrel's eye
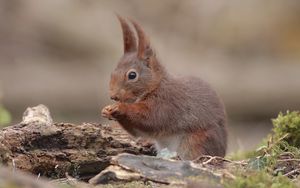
132	75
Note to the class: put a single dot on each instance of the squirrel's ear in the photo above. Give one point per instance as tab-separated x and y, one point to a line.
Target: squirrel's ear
144	49
128	36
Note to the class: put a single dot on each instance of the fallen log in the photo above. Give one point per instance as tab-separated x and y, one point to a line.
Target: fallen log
39	146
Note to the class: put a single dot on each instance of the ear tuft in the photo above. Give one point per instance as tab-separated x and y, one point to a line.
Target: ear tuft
144	42
128	36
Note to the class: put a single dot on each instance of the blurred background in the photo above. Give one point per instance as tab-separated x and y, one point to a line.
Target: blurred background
61	52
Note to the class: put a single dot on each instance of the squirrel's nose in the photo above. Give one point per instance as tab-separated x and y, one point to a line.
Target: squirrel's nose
115	98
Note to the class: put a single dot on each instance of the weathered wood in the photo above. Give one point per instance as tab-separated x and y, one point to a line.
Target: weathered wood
128	167
51	149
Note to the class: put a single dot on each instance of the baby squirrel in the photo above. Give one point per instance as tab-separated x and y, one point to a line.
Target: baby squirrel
182	114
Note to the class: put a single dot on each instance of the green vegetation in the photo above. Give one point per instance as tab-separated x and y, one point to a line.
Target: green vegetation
288	125
240	155
5	117
277	161
259	179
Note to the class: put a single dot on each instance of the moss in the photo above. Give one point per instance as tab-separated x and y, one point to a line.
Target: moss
283	142
285	137
259	179
288	124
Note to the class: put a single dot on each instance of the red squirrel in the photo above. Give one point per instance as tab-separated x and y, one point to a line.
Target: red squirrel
182	114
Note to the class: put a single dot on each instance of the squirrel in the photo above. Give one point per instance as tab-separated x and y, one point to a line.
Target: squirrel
180	114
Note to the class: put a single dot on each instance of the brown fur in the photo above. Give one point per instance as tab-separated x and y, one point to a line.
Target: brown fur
166	108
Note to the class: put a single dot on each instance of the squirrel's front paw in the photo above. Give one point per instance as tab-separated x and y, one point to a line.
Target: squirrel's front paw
109	111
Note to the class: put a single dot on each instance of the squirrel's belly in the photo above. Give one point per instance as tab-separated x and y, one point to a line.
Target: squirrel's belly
170	142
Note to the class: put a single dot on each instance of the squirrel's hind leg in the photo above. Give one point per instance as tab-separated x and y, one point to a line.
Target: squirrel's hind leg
201	142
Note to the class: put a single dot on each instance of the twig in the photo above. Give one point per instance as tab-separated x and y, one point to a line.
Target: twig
286	160
270	144
292	172
287	153
14	166
210	160
38	177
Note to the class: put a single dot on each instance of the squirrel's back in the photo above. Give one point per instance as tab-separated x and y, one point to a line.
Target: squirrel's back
188	105
190	101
